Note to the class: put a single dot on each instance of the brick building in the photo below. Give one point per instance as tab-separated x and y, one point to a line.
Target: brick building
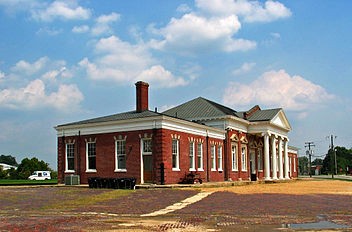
199	136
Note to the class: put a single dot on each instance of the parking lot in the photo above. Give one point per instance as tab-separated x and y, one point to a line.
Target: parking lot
256	207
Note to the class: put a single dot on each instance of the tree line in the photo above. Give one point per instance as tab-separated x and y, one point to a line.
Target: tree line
24	169
328	166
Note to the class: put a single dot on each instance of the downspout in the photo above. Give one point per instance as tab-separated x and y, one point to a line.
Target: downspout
78	154
207	154
63	157
154	152
226	157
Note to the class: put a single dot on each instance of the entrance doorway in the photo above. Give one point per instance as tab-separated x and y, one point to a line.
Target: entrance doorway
252	166
147	168
146	161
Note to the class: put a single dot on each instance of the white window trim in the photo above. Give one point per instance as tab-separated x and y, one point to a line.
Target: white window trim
87	160
244	167
116	160
235	169
193	158
213	159
66	160
220	158
200	168
177	168
142	152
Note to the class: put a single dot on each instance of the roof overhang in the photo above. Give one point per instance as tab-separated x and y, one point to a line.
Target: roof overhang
153	122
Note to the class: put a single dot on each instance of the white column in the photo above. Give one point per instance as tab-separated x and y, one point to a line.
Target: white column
286	159
281	167
274	157
266	158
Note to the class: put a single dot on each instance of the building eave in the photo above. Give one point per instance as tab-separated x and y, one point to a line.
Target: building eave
152	122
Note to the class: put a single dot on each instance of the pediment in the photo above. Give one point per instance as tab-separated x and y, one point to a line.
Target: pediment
244	140
234	138
281	120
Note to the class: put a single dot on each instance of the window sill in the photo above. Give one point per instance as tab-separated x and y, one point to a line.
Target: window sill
213	170
244	170
69	171
91	171
176	169
260	170
220	170
235	170
192	170
201	169
120	170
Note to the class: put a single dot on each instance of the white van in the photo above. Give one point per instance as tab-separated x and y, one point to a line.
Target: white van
40	175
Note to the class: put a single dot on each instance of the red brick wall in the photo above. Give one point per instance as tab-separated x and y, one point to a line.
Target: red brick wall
162	153
294	165
105	155
184	165
236	175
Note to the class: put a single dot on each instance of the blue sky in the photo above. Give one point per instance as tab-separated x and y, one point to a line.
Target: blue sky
62	61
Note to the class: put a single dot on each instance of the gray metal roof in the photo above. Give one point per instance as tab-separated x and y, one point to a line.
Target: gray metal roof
263	115
196	109
116	117
200	108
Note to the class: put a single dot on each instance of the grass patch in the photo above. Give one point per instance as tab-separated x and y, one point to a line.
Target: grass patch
82	201
6	182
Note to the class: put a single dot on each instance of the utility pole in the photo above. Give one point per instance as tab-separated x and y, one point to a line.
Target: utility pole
333	158
309	152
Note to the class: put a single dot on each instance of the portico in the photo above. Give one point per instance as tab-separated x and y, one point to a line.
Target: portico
277	162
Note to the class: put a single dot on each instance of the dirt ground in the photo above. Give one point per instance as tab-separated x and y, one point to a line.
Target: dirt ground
299	187
256	207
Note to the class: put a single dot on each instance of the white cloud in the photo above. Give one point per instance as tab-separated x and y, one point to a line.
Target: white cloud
123	62
103	24
105	19
53	75
275	35
2	75
34	96
116	60
44	67
277	89
251	11
65	10
245	68
183	8
49	31
80	29
13	6
161	77
27	68
193	33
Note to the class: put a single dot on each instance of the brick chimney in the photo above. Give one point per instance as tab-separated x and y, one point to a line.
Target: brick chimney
142	96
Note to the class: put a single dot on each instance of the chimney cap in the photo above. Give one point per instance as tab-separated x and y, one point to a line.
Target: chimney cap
141	83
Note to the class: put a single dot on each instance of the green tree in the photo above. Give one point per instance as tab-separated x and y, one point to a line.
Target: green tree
8	159
303	165
317	161
343	160
28	166
3	173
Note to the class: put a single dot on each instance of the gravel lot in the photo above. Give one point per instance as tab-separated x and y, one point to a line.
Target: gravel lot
257	207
